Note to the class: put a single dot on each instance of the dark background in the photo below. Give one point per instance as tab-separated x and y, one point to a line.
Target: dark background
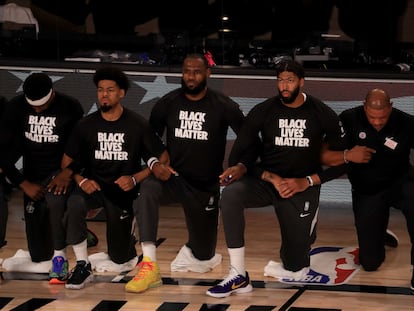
256	33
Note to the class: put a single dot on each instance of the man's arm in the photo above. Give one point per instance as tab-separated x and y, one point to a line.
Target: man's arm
358	154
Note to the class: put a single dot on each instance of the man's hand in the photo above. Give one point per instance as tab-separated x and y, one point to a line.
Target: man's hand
359	154
34	191
60	183
126	182
163	171
232	173
288	187
89	186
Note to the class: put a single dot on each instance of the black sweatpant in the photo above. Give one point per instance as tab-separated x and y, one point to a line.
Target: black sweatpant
297	217
371	214
200	209
48	223
119	217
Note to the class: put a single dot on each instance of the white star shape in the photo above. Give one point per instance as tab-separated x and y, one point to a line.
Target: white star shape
23	75
158	88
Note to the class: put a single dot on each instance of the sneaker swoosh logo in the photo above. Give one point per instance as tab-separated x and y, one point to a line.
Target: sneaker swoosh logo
208	208
236	286
304	215
123	217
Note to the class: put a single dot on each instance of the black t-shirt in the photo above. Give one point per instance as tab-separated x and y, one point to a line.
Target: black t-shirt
196	133
292	137
40	138
110	149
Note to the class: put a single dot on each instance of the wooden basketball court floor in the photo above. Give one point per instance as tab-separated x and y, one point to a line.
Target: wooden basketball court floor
385	289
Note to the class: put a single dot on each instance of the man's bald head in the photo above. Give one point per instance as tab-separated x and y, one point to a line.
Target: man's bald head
377	99
378	108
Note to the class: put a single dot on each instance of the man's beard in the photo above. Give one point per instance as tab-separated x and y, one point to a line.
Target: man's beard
292	97
106	108
196	90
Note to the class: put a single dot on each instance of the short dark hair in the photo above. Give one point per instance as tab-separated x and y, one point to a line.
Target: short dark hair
198	56
112	73
290	66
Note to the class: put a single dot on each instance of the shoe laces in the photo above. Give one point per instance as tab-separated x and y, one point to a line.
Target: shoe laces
229	277
144	268
79	268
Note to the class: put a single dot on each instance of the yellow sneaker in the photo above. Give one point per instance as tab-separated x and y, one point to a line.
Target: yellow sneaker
148	276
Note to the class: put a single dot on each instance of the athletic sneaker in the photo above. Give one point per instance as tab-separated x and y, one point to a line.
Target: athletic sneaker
391	239
80	275
59	272
276	270
148	276
185	261
233	283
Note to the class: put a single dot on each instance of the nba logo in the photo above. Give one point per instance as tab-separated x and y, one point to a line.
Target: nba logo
330	265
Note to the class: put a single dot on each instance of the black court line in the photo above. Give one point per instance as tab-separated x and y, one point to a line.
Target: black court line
4	301
214	307
33	304
260	308
311	309
172	306
109	305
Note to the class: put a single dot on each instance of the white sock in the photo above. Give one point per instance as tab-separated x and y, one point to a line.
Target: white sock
237	259
81	251
149	250
60	252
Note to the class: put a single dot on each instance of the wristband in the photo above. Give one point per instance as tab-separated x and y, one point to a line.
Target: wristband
82	182
151	162
345	160
310	181
134	180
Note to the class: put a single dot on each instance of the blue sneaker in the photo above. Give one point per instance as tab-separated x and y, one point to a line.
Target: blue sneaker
59	272
233	283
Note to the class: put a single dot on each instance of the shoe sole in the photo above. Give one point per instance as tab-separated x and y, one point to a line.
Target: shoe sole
56	281
243	290
89	279
153	285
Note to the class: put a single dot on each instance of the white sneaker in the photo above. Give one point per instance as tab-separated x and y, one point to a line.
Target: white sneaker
185	261
276	270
